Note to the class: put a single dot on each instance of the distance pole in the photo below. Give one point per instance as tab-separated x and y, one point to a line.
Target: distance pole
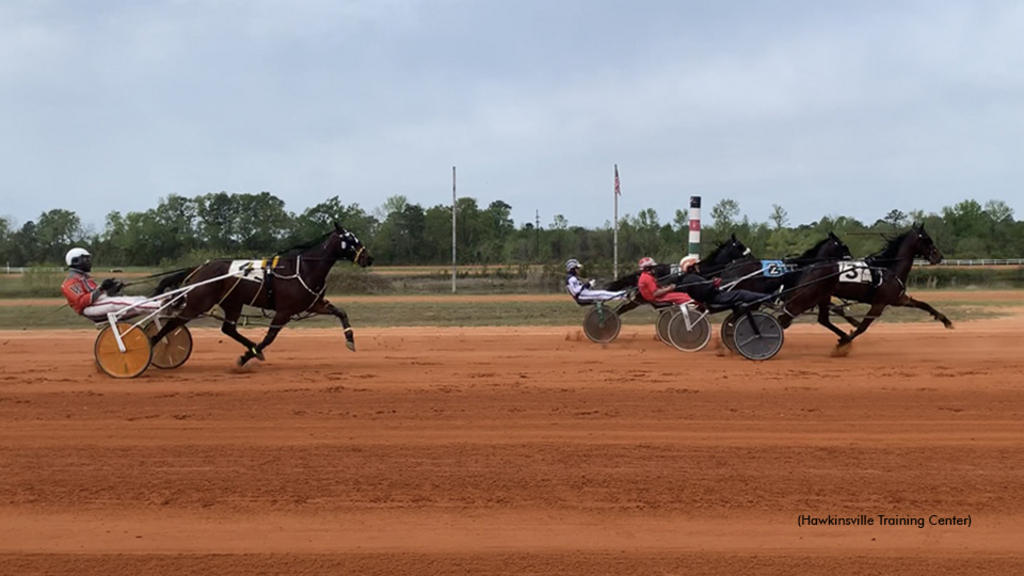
453	230
695	226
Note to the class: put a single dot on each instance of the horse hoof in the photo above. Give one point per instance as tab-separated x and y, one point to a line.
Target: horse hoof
350	345
241	361
842	350
950	326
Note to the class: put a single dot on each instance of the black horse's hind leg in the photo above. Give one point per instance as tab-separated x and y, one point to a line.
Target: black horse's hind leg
874	312
325	307
230	328
823	319
908	301
170	324
257	351
840	310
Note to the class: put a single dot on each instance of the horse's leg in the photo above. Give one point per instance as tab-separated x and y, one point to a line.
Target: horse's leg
280	319
823	319
170	324
230	328
874	312
840	310
908	301
325	307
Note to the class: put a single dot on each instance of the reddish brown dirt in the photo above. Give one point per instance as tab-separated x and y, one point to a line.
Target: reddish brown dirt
519	451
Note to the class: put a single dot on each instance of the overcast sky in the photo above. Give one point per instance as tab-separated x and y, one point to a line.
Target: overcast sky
822	107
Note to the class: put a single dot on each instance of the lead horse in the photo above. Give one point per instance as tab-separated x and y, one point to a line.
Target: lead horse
891	267
293	283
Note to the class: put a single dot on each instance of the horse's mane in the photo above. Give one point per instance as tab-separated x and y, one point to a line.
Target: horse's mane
812	252
716	252
892	247
300	248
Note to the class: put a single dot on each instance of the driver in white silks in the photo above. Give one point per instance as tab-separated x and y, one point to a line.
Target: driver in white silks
583	292
92	301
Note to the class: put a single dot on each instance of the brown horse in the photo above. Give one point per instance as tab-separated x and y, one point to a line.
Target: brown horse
292	283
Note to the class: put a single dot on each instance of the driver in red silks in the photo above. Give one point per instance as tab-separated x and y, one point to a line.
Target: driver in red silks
650	291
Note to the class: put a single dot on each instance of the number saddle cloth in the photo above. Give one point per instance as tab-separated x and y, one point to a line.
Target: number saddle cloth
253	270
859	272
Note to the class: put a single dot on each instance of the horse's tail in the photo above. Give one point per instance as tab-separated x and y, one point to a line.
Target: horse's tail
173	280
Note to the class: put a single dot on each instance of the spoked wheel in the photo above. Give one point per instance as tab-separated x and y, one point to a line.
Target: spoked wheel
664	319
601	324
128	364
692	338
728	332
173	349
758	336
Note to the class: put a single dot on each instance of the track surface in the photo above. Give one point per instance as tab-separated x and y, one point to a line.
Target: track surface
519	451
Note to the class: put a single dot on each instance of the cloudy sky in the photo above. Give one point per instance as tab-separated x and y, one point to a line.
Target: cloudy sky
822	107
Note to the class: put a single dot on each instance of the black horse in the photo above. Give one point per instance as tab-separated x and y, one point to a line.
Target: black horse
719	258
296	285
887	285
814	282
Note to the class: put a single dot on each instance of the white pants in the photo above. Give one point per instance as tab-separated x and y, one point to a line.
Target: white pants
588	295
107	304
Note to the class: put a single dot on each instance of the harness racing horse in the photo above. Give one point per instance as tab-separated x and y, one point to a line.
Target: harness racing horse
725	253
885	283
818	276
296	285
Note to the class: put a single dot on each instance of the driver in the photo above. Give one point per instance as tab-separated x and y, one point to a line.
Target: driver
709	292
92	301
583	291
651	292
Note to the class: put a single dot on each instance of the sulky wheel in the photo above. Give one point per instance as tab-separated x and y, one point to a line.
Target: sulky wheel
728	332
692	338
601	324
130	363
173	349
758	336
664	318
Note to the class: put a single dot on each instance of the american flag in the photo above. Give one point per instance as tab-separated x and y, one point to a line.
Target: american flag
617	191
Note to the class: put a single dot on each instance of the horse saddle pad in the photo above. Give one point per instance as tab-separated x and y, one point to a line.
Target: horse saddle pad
253	270
858	272
773	268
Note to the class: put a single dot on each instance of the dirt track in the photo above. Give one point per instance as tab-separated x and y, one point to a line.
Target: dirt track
515	451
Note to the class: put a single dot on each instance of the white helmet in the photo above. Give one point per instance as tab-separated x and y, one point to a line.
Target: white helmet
572	263
687	262
74	259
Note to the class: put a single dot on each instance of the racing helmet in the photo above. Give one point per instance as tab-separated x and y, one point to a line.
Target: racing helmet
572	263
78	259
688	262
647	262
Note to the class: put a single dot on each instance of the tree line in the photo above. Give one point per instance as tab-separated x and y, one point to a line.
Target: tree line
181	229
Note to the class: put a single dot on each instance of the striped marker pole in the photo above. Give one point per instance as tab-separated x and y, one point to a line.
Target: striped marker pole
695	226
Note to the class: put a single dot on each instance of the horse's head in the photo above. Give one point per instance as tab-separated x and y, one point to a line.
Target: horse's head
833	247
924	246
348	247
727	252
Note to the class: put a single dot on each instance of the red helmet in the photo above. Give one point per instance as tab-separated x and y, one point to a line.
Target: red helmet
647	262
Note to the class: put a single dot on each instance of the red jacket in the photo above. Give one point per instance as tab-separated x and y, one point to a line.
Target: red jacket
648	284
80	290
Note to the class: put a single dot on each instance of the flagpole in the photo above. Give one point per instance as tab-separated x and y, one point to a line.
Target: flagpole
615	234
453	229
